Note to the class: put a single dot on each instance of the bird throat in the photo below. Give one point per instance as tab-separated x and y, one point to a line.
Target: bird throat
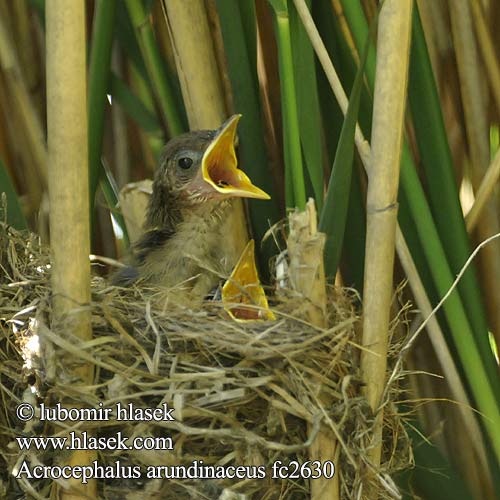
167	212
186	244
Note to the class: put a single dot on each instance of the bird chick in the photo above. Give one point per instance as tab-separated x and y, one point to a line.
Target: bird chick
184	241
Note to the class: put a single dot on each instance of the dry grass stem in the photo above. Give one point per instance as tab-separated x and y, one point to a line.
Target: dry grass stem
307	277
393	46
69	193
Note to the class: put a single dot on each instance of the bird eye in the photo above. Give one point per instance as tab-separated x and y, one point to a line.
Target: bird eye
185	163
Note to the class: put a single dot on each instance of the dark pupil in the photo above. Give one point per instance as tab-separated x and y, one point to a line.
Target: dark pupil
185	163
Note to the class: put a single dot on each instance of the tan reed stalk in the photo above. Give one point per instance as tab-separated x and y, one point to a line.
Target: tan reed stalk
196	63
307	276
391	80
68	190
476	124
201	86
487	49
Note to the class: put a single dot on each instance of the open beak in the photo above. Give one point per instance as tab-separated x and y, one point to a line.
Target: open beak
219	165
243	297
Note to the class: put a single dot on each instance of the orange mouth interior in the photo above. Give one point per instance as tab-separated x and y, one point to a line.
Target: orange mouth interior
243	289
219	165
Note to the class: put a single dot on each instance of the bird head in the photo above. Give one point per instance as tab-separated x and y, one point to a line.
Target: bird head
202	165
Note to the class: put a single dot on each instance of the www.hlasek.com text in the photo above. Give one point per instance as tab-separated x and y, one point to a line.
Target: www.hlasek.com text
85	441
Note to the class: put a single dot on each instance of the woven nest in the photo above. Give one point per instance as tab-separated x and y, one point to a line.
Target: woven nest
244	394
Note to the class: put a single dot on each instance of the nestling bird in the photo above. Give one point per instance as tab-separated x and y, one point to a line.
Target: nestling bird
184	240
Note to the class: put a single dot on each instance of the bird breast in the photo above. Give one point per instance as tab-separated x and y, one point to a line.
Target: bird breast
194	256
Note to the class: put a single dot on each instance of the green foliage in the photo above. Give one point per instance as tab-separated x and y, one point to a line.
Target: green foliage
334	215
309	115
134	107
240	43
99	74
433	478
163	90
443	193
295	190
110	191
15	215
280	7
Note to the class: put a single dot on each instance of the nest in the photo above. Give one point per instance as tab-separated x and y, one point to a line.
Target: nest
245	395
